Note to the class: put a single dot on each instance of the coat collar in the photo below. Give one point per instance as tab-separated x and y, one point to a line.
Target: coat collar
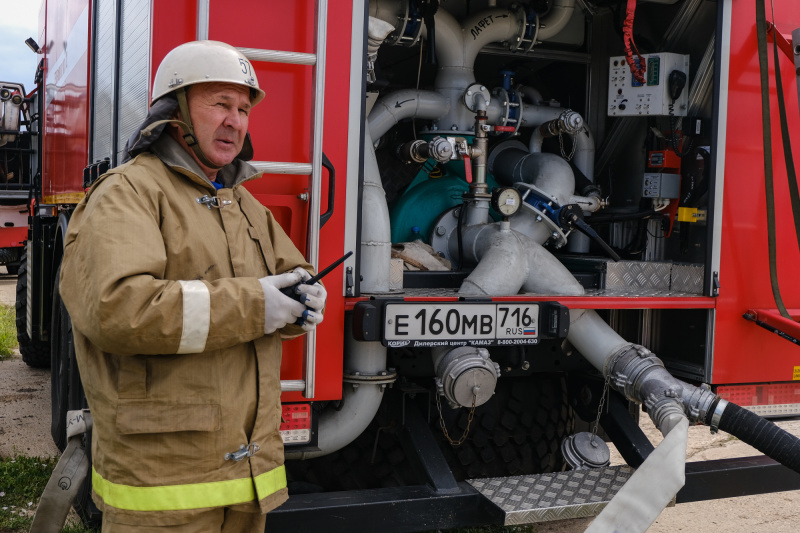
174	156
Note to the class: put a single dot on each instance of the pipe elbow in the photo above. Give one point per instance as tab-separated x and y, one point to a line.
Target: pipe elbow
399	105
502	263
337	429
490	26
557	19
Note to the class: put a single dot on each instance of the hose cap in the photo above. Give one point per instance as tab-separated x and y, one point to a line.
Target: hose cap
584	451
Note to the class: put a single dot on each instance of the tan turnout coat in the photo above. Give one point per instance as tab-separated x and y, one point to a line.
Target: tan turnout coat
168	319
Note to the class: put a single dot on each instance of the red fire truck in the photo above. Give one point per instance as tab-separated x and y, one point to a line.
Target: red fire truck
15	158
540	196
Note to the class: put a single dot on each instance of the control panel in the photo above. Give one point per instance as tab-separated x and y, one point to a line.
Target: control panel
661	185
665	91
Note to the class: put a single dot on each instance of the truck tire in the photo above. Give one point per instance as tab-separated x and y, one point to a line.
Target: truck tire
36	354
67	395
375	459
65	382
518	431
83	504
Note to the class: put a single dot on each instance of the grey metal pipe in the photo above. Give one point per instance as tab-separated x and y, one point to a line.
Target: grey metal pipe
532	94
507	257
557	19
508	261
362	396
584	152
457	46
408	103
203	15
584	143
511	163
359	403
535	115
504	26
376	241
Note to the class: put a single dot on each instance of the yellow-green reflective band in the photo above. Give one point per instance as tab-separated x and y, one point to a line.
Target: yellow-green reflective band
193	496
270	482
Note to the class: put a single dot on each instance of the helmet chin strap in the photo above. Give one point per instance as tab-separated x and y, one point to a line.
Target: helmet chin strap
188	130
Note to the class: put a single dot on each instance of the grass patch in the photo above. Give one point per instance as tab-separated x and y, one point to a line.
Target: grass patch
77	528
22	480
8	332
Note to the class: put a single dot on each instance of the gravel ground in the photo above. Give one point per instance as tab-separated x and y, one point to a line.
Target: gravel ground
25	429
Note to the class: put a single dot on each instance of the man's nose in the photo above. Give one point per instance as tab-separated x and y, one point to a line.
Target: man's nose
233	119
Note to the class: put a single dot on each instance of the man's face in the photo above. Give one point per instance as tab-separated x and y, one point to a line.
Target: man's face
220	115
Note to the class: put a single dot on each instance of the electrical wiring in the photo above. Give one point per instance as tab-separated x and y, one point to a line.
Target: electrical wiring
638	66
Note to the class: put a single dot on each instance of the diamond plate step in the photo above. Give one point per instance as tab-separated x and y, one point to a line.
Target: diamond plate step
556	496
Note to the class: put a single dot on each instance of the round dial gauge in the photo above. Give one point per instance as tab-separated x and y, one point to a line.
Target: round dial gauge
506	201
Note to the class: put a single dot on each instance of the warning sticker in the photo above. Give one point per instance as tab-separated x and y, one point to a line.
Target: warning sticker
796	374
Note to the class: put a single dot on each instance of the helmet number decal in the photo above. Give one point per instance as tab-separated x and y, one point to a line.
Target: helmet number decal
246	68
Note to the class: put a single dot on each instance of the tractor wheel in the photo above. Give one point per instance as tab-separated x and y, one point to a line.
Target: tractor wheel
36	354
518	431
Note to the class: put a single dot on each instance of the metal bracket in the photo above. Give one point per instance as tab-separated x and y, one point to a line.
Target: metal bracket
243	452
213	202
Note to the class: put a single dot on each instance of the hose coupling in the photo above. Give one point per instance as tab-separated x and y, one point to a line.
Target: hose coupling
438	149
641	376
465	376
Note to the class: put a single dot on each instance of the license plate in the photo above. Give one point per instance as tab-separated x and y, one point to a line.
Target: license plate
440	324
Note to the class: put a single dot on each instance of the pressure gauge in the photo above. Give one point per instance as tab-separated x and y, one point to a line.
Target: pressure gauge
506	200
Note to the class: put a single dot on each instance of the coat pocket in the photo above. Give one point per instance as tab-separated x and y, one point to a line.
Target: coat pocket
138	417
132	377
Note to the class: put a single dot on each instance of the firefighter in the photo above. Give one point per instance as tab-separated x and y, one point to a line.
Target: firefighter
172	273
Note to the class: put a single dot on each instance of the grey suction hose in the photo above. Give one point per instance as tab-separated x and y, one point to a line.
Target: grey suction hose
759	433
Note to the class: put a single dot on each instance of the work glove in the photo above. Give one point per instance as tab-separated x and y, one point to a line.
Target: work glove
279	309
313	297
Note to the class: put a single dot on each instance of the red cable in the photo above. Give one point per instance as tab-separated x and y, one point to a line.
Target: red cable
627	36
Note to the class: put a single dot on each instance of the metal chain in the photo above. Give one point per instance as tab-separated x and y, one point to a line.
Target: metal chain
460	441
561	145
600	408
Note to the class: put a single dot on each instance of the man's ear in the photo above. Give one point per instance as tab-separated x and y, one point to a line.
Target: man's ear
177	116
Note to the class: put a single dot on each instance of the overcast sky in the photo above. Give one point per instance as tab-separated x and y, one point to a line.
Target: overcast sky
19	19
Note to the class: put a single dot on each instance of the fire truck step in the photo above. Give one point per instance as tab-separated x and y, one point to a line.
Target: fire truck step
555	496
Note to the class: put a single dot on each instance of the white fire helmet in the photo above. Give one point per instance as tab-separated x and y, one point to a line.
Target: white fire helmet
205	62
